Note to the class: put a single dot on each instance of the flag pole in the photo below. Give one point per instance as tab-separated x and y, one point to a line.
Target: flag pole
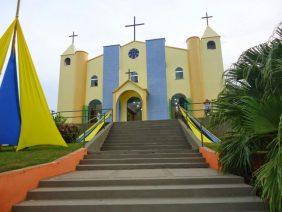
14	35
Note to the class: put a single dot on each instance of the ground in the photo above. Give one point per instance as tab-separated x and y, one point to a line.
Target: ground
10	160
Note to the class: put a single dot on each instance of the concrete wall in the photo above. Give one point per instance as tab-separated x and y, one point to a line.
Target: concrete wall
14	185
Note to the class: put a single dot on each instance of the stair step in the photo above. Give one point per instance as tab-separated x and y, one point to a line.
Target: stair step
147	155
161	191
142	160
122	143
144	144
141	181
145	141
147	147
141	166
144	204
147	151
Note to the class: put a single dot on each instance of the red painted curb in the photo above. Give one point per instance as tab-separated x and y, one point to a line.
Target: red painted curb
211	157
15	184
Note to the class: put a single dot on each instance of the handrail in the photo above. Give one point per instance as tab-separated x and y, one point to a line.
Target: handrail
197	128
88	133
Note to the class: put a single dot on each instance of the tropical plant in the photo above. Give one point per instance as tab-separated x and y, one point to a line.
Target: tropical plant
251	104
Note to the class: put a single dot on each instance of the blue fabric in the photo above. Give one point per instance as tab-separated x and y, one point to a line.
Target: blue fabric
157	84
10	121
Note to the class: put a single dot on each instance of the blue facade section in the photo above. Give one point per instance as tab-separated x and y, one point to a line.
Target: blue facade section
110	74
157	84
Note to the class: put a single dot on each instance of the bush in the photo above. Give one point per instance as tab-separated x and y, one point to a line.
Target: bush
69	132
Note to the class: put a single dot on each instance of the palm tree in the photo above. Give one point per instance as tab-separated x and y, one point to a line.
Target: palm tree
251	104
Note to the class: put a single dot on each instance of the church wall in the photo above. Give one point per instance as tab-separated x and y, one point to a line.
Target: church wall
111	66
212	68
138	64
94	67
157	83
177	58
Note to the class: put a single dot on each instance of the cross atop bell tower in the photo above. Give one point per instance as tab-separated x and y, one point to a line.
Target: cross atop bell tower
73	36
207	18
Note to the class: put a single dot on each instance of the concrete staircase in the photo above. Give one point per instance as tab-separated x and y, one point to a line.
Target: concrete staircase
143	166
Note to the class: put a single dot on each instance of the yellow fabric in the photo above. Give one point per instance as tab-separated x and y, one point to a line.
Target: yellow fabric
5	43
38	127
194	129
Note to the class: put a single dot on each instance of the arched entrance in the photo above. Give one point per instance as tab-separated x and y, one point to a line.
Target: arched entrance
178	99
130	102
94	109
134	109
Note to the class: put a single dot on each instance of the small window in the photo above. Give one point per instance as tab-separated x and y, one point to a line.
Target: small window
179	73
94	81
134	76
67	61
211	45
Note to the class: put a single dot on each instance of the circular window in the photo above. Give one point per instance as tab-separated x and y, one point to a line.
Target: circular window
133	53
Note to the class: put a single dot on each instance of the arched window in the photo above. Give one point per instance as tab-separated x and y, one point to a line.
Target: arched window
179	73
67	61
94	81
211	45
134	76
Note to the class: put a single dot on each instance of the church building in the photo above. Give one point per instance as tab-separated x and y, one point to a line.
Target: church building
141	80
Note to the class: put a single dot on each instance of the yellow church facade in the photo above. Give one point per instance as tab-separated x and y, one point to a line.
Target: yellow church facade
141	80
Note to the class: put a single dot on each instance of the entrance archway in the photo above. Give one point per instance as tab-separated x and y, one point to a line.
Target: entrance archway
134	109
121	96
94	108
178	99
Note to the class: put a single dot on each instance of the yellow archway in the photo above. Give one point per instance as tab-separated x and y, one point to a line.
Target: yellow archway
123	93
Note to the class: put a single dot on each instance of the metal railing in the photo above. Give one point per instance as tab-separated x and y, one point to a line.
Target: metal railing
205	135
88	122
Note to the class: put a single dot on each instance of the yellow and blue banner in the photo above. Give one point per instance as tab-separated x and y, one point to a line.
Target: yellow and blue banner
28	121
10	122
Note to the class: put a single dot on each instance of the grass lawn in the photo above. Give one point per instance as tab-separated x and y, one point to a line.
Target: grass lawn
10	160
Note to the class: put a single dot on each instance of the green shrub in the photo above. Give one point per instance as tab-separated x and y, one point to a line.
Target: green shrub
69	132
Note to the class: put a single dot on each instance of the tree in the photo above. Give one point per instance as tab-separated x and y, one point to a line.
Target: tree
251	103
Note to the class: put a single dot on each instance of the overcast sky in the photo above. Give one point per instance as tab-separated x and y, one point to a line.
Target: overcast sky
48	23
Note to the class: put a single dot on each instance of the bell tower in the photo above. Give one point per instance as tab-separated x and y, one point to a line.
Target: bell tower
212	63
72	82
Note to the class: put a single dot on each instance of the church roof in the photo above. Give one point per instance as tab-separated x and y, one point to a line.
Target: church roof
70	50
209	32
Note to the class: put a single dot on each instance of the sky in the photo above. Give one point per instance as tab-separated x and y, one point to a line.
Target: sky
48	23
